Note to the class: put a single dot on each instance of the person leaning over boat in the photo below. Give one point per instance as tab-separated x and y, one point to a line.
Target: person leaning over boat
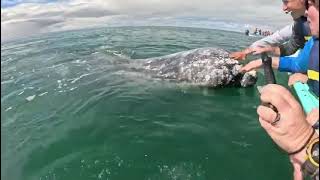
289	39
306	64
307	61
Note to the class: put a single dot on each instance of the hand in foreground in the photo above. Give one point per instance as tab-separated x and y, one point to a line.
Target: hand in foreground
292	130
297	77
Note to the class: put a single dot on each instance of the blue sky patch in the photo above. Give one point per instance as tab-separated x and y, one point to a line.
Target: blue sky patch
10	3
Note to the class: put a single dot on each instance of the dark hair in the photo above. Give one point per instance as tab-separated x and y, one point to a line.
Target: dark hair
315	2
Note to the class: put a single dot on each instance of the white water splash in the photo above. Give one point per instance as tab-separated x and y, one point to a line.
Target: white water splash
71	89
77	79
43	94
30	98
59	84
8	109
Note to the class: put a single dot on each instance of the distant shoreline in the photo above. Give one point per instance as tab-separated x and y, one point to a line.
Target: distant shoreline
12	40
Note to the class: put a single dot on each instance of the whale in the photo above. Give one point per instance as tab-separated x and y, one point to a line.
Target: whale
205	67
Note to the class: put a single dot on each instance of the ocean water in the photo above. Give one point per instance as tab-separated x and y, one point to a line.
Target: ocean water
70	111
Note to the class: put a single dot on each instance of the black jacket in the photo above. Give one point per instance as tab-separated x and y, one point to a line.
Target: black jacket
301	30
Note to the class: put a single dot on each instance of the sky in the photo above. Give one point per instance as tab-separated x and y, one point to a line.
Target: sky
22	18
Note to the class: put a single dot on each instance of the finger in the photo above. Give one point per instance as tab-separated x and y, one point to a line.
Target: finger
239	58
245	69
266	125
242	70
280	103
266	114
249	50
290	82
257	50
234	54
278	96
271	130
253	65
236	57
292	79
242	57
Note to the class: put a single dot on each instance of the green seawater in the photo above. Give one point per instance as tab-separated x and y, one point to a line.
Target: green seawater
69	111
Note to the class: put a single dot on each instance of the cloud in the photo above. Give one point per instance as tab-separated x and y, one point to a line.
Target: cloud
35	16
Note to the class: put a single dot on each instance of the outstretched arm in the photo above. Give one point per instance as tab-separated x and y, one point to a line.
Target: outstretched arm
297	63
256	64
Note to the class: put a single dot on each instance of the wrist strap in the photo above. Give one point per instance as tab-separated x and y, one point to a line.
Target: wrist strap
305	144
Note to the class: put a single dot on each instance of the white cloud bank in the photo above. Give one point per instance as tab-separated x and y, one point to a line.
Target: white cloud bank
34	18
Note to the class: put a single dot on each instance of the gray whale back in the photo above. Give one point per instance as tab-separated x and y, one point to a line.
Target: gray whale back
210	67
